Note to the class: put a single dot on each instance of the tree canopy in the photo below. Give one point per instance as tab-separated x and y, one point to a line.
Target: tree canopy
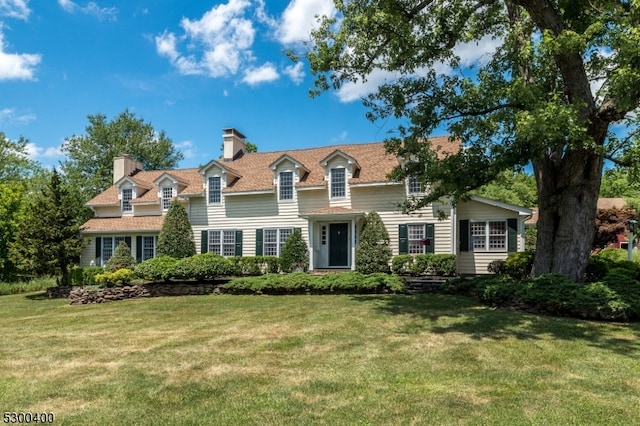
89	161
553	77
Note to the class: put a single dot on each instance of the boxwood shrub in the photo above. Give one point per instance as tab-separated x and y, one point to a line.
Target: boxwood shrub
201	267
116	278
424	264
80	276
157	269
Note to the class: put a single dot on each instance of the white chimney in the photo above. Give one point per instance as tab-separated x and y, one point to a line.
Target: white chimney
235	143
124	165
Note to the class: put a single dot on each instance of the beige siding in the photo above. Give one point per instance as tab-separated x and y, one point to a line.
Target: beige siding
147	210
476	262
108	211
88	251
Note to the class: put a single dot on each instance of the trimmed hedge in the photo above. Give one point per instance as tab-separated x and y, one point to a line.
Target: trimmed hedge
424	264
255	265
299	282
157	269
116	278
79	276
201	267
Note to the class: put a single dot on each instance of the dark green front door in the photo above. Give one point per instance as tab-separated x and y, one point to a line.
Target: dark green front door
339	244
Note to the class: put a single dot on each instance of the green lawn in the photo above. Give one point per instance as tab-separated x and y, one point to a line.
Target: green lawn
429	359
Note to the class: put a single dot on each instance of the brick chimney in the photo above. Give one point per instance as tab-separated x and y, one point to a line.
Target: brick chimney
124	165
234	142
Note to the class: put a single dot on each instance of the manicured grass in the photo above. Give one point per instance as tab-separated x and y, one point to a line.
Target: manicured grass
392	359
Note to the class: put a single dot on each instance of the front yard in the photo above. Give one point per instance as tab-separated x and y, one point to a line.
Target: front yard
391	359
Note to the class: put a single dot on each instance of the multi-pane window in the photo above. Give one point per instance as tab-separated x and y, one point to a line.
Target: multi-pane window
286	185
148	247
414	185
488	235
338	183
274	239
167	196
222	242
215	190
127	195
414	238
109	245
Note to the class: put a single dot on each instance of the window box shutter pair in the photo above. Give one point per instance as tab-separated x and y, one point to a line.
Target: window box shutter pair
512	235
429	236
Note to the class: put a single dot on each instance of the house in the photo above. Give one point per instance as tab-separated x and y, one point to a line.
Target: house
246	204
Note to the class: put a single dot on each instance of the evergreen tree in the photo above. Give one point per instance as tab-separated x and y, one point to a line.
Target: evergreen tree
48	241
121	258
176	235
295	253
373	253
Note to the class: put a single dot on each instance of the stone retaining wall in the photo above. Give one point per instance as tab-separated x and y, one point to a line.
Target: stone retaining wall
84	296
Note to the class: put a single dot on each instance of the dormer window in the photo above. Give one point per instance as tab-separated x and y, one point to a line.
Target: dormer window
286	186
338	183
167	197
127	195
215	190
414	186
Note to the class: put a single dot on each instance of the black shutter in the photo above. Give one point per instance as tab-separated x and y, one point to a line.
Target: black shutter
259	247
238	243
512	235
127	241
98	251
403	242
139	249
464	235
204	241
429	233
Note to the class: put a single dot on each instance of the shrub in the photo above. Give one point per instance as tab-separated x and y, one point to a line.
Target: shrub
157	269
373	252
85	276
255	265
202	267
519	265
496	267
612	254
116	278
597	268
121	259
402	264
294	256
443	264
176	235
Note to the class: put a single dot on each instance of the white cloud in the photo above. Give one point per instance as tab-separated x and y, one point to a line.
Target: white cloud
223	36
10	116
36	152
300	17
186	147
17	66
15	9
295	72
91	8
262	74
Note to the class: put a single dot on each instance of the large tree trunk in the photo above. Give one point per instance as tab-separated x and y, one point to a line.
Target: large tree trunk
568	187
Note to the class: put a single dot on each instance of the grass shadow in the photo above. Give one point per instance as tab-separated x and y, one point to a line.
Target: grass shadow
444	314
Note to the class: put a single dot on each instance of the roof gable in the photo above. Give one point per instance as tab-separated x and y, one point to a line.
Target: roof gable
286	157
224	168
338	153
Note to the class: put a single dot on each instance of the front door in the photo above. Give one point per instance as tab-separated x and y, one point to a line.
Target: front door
339	244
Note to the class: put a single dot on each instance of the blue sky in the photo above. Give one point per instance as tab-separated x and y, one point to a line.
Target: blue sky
189	68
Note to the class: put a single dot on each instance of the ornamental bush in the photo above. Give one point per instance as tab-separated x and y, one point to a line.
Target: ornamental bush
202	267
121	259
157	269
80	276
176	235
519	265
373	252
116	278
255	265
294	256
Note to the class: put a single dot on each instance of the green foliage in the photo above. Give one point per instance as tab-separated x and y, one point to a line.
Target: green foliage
424	264
80	276
530	237
176	235
121	259
156	269
15	165
496	267
373	252
518	265
517	188
48	241
202	267
17	287
298	282
116	278
294	256
255	265
11	213
90	157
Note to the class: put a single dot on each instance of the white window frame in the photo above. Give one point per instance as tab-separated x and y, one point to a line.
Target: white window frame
338	182
125	205
273	239
414	186
415	236
166	201
214	195
108	245
153	240
285	190
222	242
488	235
